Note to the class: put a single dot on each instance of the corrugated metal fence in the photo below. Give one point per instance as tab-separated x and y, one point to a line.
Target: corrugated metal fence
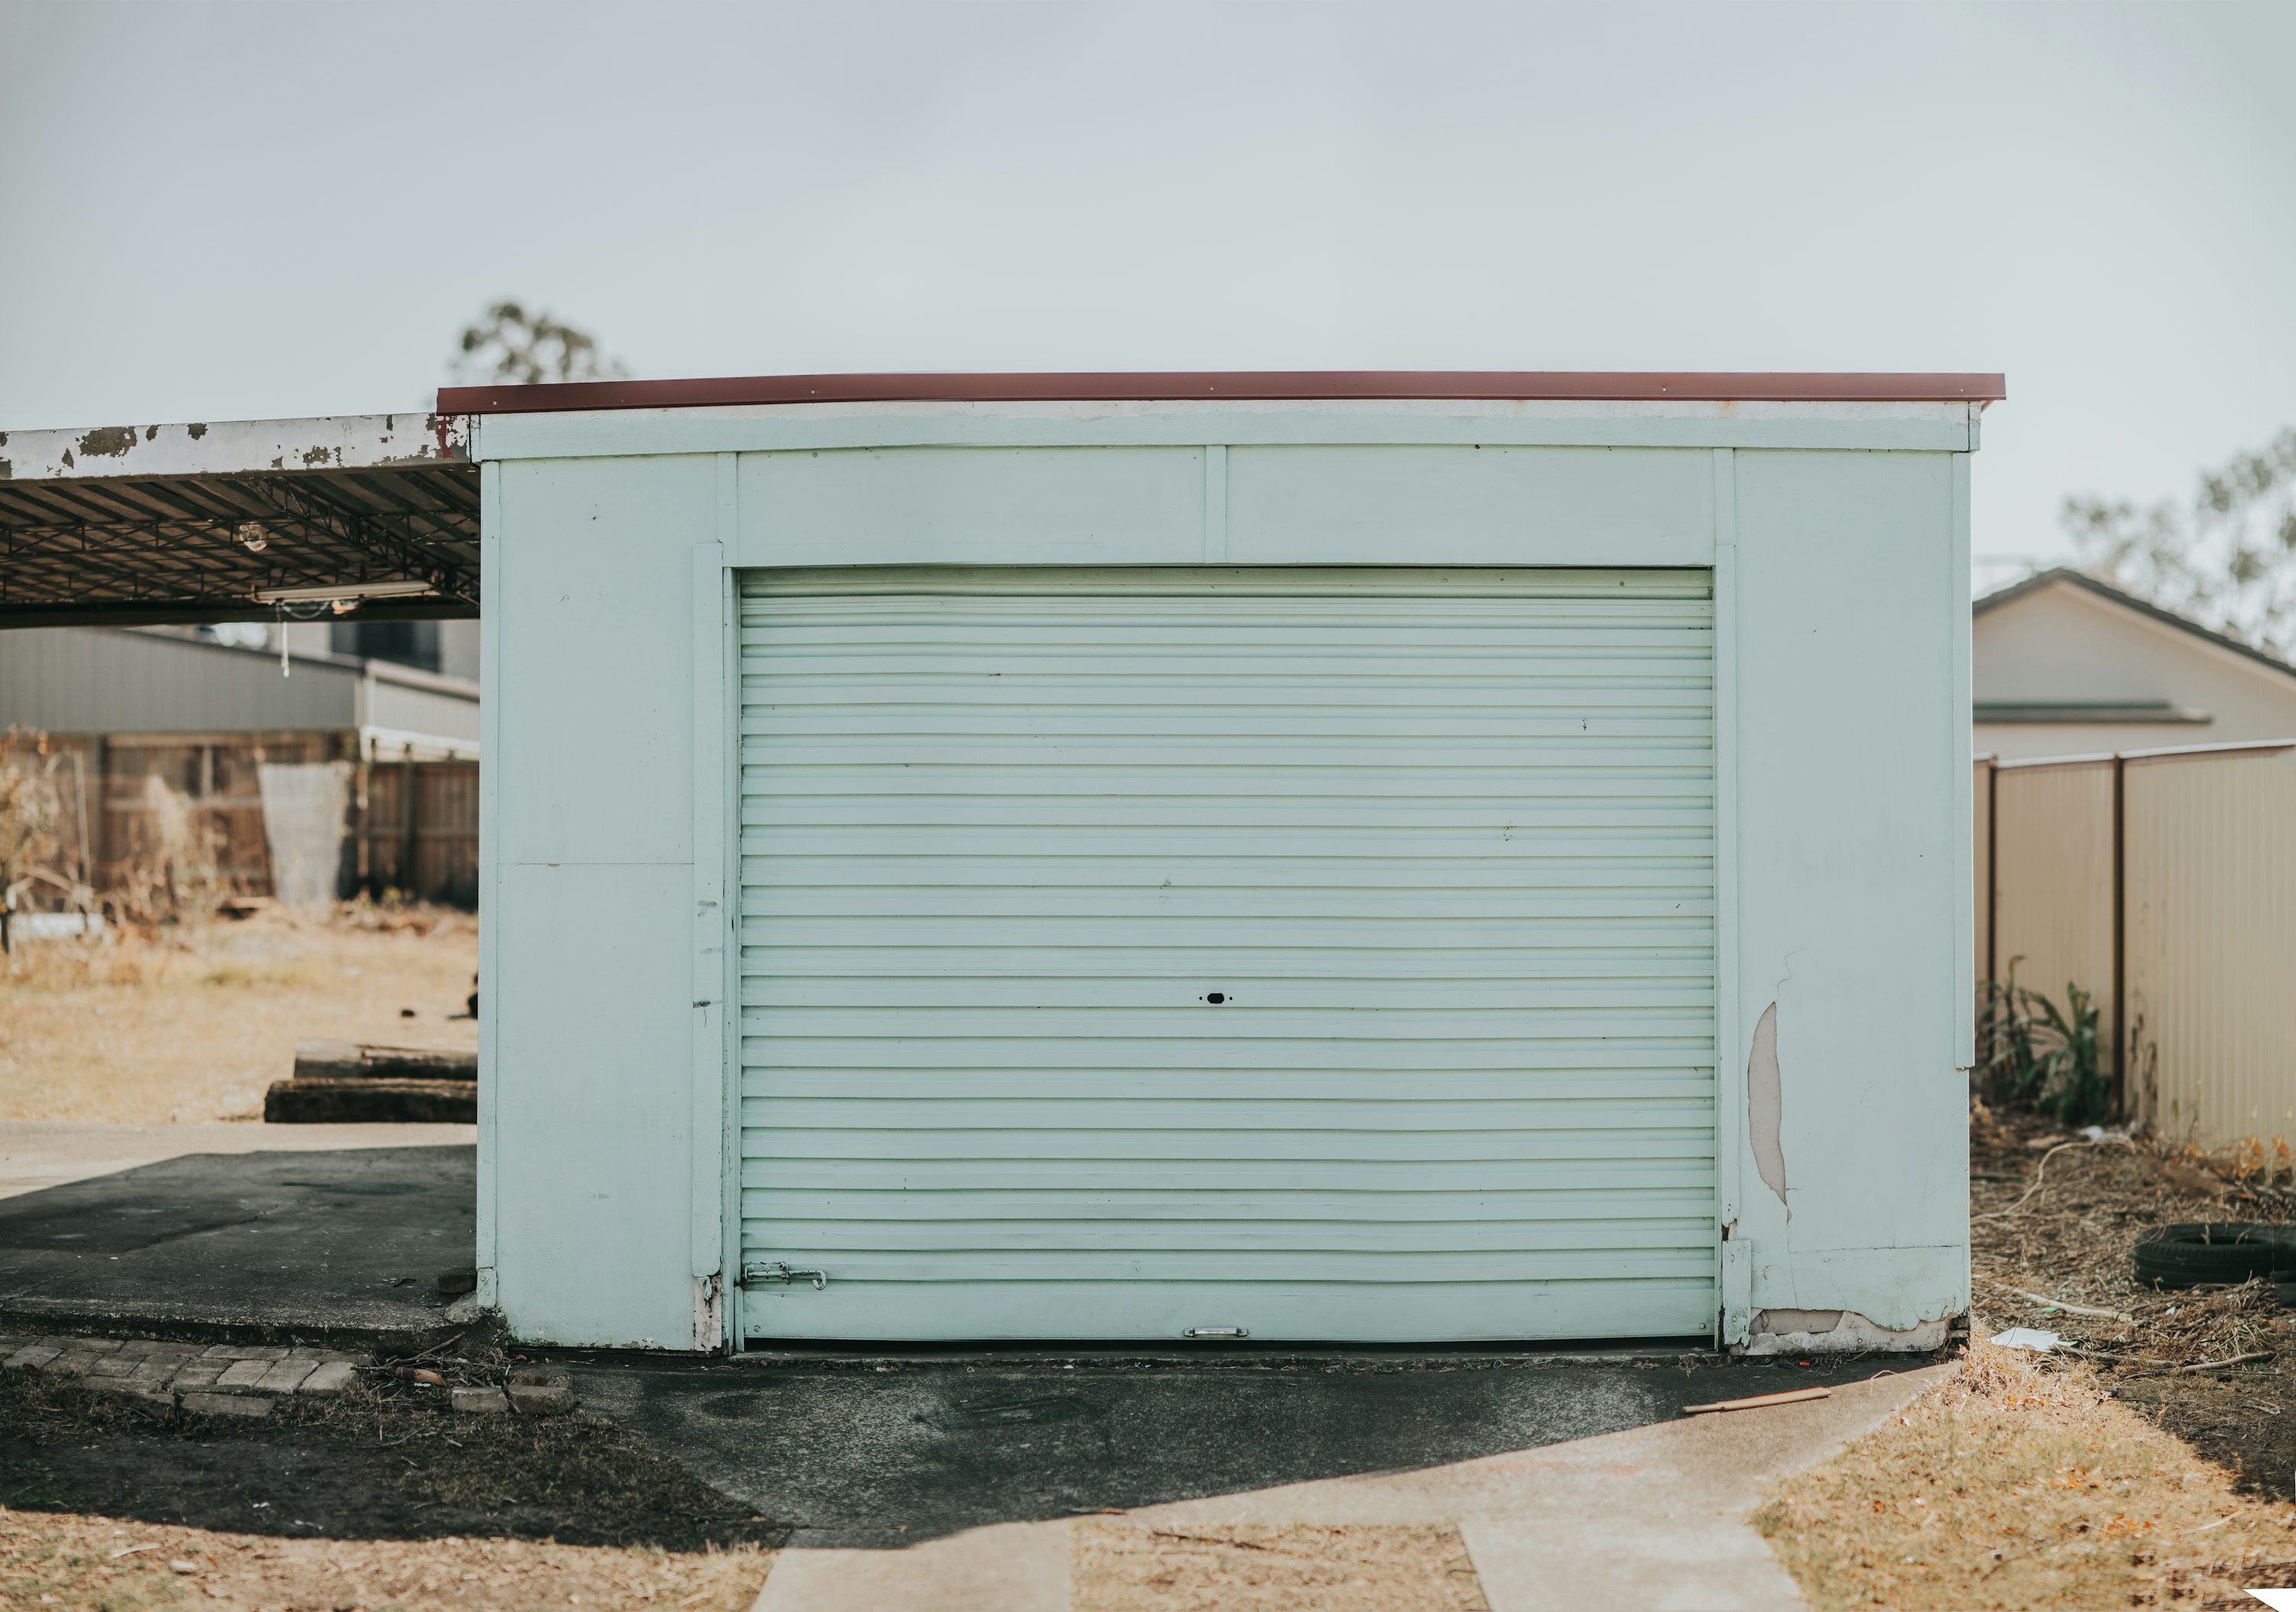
2164	884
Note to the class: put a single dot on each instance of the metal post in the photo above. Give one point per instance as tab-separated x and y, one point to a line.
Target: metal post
406	875
2120	931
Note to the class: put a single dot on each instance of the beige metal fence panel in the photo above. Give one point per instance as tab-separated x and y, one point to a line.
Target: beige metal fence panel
2051	857
2210	860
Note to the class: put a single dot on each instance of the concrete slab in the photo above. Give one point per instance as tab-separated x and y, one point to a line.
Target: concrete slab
338	1244
38	1154
952	1485
1649	1518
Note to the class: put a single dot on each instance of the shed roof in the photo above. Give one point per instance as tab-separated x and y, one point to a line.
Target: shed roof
1240	385
124	524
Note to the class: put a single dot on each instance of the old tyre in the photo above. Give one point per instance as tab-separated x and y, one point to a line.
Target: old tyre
2194	1252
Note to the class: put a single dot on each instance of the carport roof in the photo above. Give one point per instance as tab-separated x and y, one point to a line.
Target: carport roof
145	523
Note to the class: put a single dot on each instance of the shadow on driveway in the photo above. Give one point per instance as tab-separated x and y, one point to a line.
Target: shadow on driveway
882	1453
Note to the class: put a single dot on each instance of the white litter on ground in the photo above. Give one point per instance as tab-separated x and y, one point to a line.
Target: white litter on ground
2028	1337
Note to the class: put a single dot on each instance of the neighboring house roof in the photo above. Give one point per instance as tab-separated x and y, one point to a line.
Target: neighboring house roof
2106	590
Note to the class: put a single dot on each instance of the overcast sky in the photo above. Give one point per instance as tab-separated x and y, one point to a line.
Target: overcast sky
219	211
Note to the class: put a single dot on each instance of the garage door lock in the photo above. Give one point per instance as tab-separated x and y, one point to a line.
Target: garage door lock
772	1272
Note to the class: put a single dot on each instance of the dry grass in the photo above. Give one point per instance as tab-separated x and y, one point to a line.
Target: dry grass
2059	1217
2132	1471
1125	1567
194	1024
49	1560
2022	1486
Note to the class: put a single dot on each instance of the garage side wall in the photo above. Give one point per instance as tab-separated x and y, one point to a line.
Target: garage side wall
1854	924
586	1168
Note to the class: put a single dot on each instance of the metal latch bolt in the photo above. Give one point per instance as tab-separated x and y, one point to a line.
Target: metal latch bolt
1216	1332
774	1271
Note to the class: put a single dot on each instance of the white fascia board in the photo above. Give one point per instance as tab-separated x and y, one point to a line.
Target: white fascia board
1918	427
236	447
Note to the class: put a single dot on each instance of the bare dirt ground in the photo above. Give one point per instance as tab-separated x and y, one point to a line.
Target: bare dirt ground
386	1501
2151	1465
193	1023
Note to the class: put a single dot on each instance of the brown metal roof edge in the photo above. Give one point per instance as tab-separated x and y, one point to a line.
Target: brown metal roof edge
1494	385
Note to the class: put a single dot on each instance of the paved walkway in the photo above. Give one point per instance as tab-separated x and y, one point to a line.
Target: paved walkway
1651	1519
947	1485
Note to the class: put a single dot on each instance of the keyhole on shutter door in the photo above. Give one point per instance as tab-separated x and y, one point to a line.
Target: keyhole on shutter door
1215	998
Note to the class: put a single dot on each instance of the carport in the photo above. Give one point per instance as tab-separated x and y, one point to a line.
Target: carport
370	515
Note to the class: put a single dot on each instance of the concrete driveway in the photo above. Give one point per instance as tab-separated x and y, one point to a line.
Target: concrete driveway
235	1231
942	1484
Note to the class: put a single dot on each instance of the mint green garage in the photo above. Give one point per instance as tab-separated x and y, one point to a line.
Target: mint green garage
1389	857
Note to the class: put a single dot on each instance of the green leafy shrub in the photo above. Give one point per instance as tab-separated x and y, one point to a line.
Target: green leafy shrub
2032	1055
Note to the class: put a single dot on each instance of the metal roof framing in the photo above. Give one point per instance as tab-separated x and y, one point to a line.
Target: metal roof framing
189	528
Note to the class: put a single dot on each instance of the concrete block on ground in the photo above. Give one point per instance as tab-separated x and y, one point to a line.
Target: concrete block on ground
239	1351
31	1357
285	1377
367	1102
198	1374
243	1374
247	1406
356	1060
541	1399
477	1398
111	1366
329	1378
72	1365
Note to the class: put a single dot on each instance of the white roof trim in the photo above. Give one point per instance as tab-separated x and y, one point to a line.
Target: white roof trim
236	447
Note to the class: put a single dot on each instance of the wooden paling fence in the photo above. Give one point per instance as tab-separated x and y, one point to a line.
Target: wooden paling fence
409	826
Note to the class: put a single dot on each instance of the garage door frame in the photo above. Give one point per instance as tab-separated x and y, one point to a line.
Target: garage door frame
1590	541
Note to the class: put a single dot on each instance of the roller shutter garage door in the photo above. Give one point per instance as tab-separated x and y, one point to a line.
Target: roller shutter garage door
1327	955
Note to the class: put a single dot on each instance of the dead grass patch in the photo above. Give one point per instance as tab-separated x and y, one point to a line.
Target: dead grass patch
49	1560
2020	1485
193	1023
1127	1567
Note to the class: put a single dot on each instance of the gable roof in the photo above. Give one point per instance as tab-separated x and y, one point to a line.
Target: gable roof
2105	590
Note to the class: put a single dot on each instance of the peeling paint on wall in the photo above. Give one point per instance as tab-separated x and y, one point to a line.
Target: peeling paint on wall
1839	1332
1765	1105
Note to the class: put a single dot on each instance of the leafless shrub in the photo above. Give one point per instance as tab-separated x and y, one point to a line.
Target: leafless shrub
29	808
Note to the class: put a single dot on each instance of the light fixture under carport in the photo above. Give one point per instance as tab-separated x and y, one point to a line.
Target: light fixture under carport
343	592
